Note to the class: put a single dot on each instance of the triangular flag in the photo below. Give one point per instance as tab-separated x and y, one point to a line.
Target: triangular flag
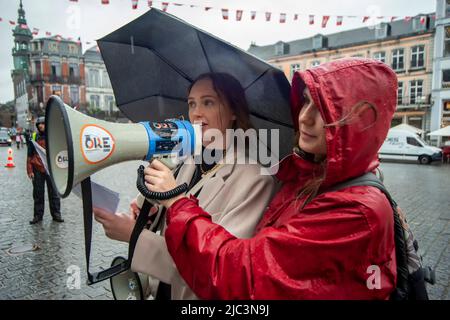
208	8
408	18
48	34
105	1
253	14
1	19
339	20
134	4
282	17
150	3
35	31
238	15
178	4
423	19
164	6
268	14
325	21
74	0
311	19
365	19
296	16
13	23
393	18
225	14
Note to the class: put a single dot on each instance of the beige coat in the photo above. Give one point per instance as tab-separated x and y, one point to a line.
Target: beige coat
236	197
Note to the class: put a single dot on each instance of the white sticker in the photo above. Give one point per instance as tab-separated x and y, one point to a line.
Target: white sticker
62	160
97	144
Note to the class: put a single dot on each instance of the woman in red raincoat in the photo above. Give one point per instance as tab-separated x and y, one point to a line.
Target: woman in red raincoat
310	244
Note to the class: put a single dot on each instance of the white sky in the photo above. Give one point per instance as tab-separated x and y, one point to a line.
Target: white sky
90	20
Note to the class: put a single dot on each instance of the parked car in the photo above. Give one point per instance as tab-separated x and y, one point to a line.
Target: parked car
5	139
405	145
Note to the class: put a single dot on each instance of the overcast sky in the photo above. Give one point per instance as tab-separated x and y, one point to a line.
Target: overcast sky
90	20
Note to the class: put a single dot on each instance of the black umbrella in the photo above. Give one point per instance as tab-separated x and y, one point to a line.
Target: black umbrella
152	60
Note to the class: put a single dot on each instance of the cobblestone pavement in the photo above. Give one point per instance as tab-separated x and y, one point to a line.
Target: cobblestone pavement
422	191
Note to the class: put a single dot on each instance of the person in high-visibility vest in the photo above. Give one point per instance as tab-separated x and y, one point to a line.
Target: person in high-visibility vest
36	172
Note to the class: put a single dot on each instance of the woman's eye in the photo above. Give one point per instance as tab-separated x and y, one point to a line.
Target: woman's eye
209	103
191	104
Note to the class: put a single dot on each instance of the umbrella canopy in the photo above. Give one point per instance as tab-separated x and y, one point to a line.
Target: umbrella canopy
407	127
443	132
152	61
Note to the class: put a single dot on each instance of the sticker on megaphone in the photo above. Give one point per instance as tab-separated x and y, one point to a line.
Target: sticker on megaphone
97	143
62	160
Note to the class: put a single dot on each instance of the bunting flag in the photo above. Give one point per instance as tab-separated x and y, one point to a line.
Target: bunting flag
393	18
238	15
225	14
178	4
58	38
150	3
48	34
134	4
311	19
282	17
365	19
105	1
164	6
408	18
73	0
295	16
13	23
253	15
325	21
339	20
208	8
423	19
35	31
268	14
1	19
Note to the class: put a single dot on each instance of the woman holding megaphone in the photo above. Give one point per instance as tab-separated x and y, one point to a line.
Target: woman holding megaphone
235	193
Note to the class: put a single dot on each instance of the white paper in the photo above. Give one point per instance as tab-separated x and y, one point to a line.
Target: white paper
102	197
42	154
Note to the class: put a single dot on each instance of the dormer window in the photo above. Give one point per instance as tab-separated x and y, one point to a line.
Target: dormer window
318	42
382	31
281	48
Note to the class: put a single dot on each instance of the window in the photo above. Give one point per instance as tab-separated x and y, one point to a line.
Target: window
105	80
94	78
419	23
400	94
446	106
447	42
281	48
56	69
380	56
74	95
95	101
315	63
318	42
381	31
398	59
294	67
446	78
413	142
415	91
73	70
53	47
357	56
417	56
109	103
73	48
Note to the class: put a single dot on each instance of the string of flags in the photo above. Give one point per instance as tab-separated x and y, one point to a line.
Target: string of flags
237	15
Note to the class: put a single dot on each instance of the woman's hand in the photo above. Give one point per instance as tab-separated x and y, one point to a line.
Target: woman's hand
118	226
159	178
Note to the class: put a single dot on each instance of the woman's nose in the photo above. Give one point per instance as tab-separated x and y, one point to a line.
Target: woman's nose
305	116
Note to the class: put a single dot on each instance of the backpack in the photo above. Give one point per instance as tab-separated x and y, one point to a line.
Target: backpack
411	274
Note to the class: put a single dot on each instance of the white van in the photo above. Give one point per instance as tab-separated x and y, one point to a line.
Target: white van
405	145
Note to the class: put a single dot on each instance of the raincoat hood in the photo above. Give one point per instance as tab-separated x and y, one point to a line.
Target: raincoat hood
358	97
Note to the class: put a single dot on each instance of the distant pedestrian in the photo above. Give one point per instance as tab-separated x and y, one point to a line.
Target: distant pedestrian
18	140
36	172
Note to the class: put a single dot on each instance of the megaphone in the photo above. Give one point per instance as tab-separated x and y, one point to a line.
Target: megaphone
128	285
79	145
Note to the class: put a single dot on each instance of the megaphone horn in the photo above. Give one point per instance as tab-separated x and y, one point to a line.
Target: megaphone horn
79	145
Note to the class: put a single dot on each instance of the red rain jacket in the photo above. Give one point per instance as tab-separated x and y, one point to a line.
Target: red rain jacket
327	249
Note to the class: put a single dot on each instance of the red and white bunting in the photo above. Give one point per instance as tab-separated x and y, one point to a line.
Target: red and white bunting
282	17
295	17
325	21
311	19
35	31
393	18
1	19
164	6
238	15
365	19
208	8
225	14
134	4
58	38
13	23
149	3
73	0
48	34
253	15
339	20
105	1
423	20
178	4
268	15
408	18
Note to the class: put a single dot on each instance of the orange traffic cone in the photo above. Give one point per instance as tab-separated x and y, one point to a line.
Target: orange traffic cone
10	161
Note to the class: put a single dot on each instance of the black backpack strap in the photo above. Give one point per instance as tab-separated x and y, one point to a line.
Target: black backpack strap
370	179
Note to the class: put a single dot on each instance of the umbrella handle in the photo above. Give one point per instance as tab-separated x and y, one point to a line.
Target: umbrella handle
140	184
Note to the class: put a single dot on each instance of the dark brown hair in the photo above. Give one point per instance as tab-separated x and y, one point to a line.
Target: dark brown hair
230	91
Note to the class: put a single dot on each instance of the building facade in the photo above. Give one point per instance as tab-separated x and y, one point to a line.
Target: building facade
440	114
406	46
99	93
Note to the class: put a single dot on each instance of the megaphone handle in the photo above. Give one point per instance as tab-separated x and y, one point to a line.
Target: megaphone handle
140	184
